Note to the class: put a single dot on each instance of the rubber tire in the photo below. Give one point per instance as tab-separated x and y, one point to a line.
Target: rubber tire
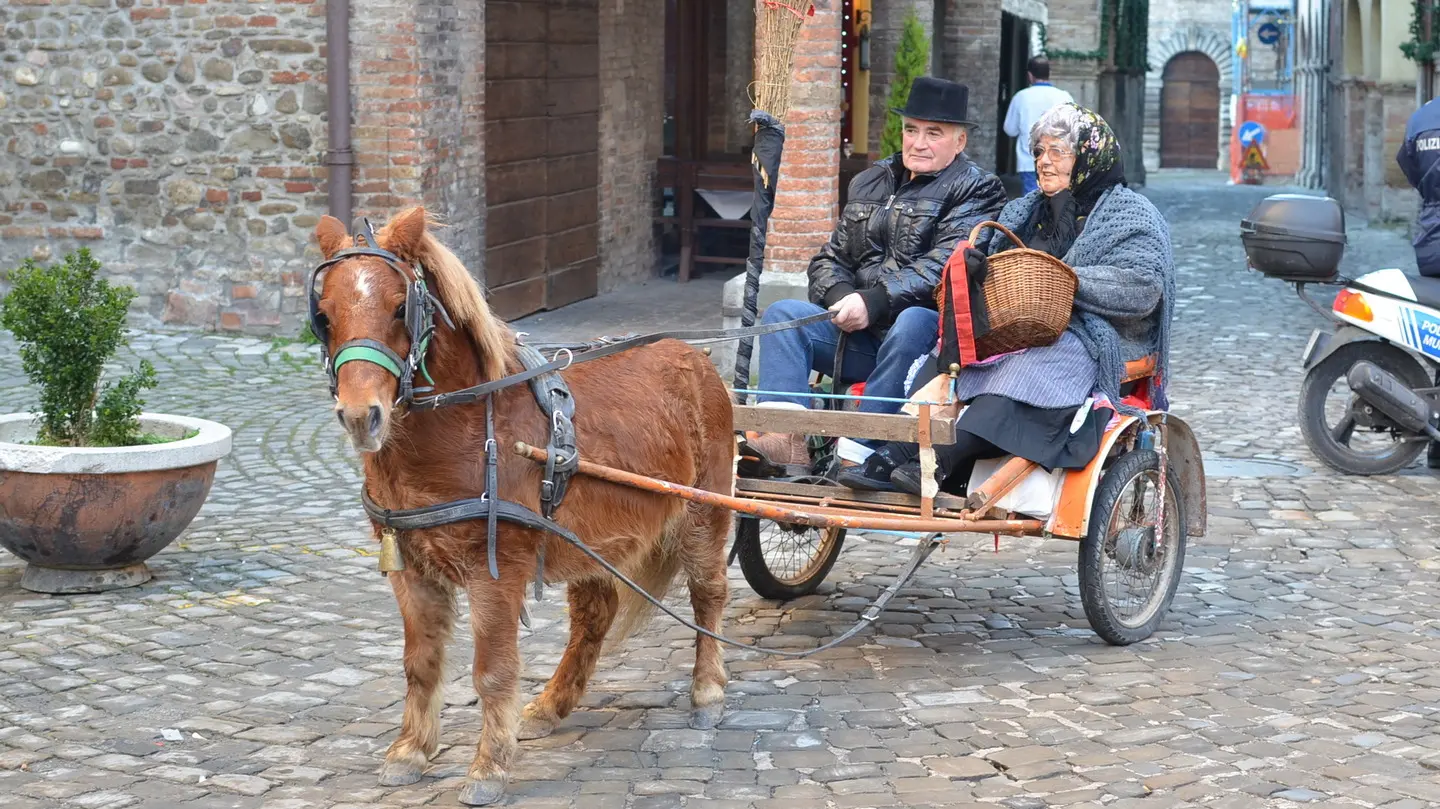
1113	485
1321	378
758	574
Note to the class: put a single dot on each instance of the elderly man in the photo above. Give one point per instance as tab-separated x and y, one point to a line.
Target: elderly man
904	217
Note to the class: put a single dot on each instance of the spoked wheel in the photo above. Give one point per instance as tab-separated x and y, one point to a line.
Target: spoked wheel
1129	569
1341	429
784	560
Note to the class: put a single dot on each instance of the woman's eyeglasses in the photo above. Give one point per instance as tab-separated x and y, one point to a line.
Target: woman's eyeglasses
1056	153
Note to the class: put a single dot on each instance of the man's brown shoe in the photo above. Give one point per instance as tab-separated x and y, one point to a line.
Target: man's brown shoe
782	448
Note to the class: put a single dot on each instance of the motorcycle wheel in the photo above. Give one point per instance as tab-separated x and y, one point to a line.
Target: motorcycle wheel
1332	445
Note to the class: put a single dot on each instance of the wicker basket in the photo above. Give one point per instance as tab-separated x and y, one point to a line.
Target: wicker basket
1028	295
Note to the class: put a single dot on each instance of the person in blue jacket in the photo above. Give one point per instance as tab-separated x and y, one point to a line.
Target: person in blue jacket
1419	158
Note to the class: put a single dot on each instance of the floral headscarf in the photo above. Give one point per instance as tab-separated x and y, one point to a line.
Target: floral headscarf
1099	166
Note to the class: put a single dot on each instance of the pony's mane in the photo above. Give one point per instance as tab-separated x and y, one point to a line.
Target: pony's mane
458	291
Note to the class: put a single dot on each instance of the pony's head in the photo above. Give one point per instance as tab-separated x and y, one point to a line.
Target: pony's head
394	312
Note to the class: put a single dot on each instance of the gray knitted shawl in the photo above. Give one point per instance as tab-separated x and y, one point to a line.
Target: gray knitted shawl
1125	301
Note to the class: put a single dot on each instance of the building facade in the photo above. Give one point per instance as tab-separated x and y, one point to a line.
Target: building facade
1357	91
1188	85
193	146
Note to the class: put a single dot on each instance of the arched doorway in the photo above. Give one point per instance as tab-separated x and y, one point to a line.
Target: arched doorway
1190	112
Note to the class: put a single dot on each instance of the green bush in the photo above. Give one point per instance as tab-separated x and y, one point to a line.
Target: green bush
910	58
69	323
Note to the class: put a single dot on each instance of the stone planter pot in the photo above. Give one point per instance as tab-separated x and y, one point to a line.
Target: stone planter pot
87	518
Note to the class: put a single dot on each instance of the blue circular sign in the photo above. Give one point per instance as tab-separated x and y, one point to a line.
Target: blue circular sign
1268	33
1251	132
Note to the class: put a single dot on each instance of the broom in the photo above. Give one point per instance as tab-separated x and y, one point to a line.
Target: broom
777	30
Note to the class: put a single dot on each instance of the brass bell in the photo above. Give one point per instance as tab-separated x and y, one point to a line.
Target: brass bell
390	559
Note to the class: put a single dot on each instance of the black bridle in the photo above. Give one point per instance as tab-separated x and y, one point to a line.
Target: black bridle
421	306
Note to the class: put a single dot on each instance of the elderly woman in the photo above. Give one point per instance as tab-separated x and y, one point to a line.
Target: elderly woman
1051	404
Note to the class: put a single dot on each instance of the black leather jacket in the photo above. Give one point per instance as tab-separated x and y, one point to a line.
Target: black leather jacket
896	233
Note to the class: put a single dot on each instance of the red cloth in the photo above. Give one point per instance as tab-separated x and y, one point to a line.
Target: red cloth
957	327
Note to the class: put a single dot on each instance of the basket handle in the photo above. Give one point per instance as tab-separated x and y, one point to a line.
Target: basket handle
993	224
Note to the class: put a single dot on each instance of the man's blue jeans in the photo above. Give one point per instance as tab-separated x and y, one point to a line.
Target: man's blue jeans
1028	181
787	357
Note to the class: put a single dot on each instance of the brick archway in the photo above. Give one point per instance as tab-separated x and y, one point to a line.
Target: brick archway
1212	43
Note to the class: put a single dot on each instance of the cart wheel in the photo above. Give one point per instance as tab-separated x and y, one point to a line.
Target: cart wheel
784	560
1128	575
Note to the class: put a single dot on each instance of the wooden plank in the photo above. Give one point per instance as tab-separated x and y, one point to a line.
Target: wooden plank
882	426
841	494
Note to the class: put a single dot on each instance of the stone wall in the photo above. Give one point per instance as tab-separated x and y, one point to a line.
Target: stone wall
180	143
1075	25
1364	176
970	54
632	108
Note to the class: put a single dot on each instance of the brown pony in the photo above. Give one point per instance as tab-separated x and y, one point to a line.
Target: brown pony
660	410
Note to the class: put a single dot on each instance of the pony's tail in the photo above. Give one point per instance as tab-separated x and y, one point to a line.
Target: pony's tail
657	575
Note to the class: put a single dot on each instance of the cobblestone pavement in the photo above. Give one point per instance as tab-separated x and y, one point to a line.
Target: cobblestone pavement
261	666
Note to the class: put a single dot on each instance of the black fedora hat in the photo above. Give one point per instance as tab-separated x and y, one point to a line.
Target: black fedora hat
933	99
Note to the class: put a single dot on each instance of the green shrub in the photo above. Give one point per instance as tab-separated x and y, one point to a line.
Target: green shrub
69	323
910	58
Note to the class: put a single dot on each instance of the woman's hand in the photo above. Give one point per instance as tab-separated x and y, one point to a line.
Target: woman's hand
976	266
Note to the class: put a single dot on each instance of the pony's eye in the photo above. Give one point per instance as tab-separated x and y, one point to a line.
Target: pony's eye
400	312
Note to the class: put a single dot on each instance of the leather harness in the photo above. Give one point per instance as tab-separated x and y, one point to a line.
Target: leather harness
547	385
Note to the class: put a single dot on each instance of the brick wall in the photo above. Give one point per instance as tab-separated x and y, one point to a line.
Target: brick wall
807	196
888	23
180	142
418	95
451	66
970	54
632	70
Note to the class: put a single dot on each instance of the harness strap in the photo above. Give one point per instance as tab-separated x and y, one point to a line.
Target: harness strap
492	484
368	350
467	395
556	402
476	507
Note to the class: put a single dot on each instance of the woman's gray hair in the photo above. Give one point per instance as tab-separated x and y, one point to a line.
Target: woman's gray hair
1061	121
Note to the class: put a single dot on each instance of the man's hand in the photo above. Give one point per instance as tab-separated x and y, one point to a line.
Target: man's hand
850	313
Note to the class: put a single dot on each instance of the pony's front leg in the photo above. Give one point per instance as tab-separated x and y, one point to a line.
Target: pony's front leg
495	620
428	609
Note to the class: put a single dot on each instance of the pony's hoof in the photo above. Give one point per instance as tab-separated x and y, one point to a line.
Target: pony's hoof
534	728
482	792
400	773
706	717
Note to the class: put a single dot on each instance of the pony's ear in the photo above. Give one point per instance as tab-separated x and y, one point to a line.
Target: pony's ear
402	234
331	235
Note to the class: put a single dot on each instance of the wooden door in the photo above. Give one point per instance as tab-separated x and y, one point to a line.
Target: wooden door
1190	112
542	141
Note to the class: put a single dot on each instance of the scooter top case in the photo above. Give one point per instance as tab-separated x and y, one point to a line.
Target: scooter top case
1295	237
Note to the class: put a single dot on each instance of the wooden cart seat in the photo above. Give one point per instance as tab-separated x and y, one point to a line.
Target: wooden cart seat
1136	370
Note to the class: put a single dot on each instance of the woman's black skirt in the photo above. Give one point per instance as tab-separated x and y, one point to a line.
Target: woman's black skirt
994	426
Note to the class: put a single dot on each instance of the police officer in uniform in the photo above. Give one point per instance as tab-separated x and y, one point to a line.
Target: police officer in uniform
1419	158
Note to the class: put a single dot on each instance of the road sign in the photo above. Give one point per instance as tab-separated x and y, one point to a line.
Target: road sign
1268	33
1251	133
